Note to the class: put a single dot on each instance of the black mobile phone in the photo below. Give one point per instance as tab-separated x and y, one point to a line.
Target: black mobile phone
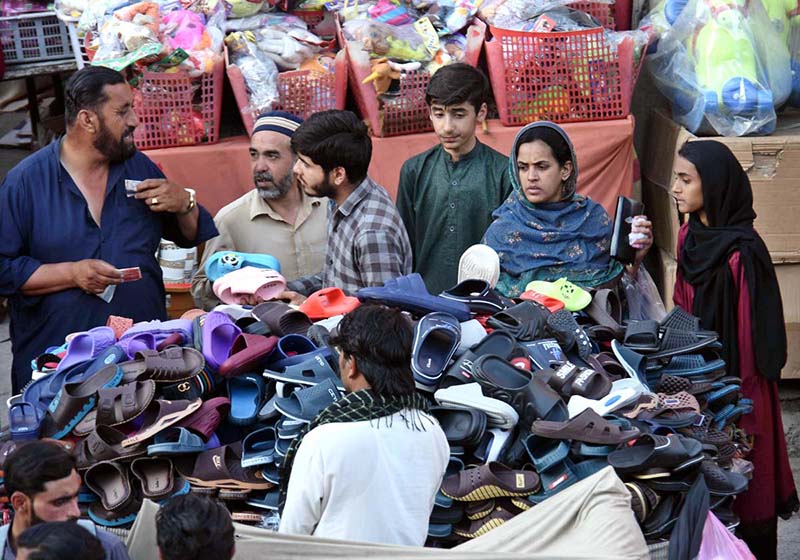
623	220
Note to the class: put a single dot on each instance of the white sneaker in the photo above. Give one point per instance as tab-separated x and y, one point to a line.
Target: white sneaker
479	262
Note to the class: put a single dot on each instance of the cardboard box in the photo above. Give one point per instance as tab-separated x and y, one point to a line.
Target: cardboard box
788	272
661	209
663	268
792	368
771	162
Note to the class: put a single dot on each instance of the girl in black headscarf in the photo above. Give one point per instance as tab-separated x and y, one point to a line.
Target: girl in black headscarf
726	277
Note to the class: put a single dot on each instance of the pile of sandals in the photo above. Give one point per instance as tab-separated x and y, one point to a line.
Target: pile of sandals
533	395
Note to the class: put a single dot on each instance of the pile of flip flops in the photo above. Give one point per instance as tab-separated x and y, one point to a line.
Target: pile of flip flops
533	395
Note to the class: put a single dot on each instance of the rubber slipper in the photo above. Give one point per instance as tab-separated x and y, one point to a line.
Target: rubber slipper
312	370
410	294
75	400
551	460
281	447
482	526
643	500
606	310
545	353
524	321
104	444
446	516
645	402
175	441
218	335
492	480
675	411
282	319
138	343
654	451
258	447
674	342
197	387
295	349
268	411
237	287
156	477
171	365
691	365
86	346
497	343
498	413
570	380
220	468
681	320
118	405
161	329
462	427
562	326
552	304
622	393
728	394
478	295
635	364
436	338
573	297
479	510
306	404
249	353
246	393
499	441
664	517
160	415
529	398
288	428
24	421
328	302
671	384
265	500
479	262
454	466
206	419
642	336
587	427
110	482
721	482
223	262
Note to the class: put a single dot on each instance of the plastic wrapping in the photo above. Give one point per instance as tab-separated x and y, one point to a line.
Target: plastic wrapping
719	544
642	296
724	66
520	15
259	71
399	42
244	8
258	21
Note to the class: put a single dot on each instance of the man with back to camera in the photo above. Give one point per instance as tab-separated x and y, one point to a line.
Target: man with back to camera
276	217
367	243
79	210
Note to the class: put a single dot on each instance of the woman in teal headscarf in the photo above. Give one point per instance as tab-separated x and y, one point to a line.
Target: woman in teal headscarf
544	230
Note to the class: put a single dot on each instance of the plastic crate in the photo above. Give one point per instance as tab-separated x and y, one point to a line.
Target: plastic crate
606	14
302	92
403	111
165	104
563	77
82	55
36	37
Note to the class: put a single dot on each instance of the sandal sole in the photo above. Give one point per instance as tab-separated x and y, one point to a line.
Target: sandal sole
486	493
482	530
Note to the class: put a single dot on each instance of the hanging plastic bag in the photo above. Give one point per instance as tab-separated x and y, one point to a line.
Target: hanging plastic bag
719	544
644	302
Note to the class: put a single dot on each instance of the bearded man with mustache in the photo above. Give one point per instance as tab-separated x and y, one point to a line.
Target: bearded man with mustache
275	217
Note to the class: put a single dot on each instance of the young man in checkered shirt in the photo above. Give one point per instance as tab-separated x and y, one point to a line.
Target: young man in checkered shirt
367	241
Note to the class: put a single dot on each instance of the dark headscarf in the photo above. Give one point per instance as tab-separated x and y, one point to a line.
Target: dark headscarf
728	203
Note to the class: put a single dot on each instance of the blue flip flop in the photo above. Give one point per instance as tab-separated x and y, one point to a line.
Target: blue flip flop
454	465
258	447
176	441
41	392
312	370
439	530
222	262
24	421
306	404
410	294
551	459
247	394
688	365
288	428
436	339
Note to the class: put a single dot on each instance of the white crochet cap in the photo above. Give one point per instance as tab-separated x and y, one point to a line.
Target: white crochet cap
479	262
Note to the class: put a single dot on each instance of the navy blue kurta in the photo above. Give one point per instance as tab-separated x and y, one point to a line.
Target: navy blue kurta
45	219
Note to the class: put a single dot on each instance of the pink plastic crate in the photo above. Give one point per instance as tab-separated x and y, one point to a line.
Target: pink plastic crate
404	112
174	111
302	92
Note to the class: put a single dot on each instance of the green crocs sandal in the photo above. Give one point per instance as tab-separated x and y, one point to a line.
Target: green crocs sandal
574	297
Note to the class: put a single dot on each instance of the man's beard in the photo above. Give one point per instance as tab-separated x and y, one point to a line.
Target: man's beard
278	188
325	188
116	150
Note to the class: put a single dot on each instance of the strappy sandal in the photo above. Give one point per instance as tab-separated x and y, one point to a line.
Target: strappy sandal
104	444
587	427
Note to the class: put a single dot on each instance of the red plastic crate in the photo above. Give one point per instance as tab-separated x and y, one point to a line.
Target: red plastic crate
302	92
165	104
404	112
606	14
563	77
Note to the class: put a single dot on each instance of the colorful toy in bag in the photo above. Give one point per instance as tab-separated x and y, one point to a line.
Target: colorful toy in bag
386	11
244	8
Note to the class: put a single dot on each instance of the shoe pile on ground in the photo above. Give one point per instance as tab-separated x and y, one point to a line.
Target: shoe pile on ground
533	395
